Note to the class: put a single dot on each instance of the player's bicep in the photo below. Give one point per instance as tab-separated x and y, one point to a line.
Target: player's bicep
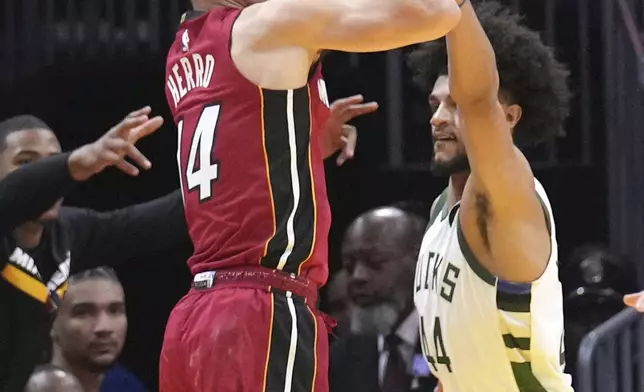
508	216
354	26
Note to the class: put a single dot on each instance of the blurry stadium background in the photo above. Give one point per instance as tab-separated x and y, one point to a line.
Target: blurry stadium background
80	65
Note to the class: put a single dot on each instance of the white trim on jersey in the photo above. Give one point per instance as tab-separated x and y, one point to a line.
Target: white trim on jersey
179	136
290	363
295	180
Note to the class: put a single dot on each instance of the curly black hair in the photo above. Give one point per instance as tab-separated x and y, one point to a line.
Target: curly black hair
529	74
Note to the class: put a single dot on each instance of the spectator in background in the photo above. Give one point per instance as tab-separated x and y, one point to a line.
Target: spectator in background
41	242
338	300
594	282
89	332
48	378
382	351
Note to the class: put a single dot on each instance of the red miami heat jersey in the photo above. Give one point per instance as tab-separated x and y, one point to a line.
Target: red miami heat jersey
250	160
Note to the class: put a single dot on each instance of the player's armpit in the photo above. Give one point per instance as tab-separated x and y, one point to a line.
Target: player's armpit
510	235
352	26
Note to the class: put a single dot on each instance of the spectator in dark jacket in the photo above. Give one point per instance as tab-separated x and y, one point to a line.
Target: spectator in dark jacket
41	242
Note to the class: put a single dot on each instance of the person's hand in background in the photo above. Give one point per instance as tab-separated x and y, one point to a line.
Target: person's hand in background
337	134
113	147
635	301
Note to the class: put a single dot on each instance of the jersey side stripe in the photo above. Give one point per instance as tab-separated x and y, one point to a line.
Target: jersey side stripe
286	141
268	174
513	342
525	378
312	204
511	302
295	179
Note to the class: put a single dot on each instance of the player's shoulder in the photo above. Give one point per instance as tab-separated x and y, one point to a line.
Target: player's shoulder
438	206
208	26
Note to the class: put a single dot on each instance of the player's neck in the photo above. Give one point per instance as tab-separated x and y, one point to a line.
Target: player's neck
28	235
456	187
89	380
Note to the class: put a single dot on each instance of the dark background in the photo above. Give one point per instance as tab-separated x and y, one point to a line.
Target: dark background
82	65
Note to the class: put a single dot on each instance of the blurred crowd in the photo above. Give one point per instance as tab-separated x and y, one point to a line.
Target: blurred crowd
375	345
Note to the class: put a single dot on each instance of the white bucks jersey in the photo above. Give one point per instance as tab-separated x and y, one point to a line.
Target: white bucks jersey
479	333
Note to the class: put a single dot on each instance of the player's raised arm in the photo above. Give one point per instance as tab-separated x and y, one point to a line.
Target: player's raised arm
502	216
352	26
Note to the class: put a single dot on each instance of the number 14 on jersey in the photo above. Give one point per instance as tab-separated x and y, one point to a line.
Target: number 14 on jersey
203	175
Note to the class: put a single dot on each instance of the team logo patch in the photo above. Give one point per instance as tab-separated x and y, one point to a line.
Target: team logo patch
185	41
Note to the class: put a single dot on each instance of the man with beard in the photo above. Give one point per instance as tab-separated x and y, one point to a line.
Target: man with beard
382	351
487	288
89	332
338	303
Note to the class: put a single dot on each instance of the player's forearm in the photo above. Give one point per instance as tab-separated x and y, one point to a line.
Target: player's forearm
354	26
472	63
32	189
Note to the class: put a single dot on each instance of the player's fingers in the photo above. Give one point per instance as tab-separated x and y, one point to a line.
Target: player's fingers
138	157
343	103
127	124
631	299
108	158
127	168
349	139
143	111
145	129
360	109
116	145
351	134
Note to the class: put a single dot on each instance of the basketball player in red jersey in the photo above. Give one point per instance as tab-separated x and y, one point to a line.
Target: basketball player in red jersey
244	84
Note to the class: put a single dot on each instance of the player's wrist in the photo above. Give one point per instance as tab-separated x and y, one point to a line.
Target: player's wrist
79	164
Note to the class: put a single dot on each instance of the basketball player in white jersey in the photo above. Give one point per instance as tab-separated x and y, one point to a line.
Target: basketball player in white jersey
486	283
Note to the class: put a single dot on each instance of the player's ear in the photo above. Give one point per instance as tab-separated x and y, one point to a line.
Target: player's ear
513	114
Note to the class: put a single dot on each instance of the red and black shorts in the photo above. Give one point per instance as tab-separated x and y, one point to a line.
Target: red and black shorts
246	330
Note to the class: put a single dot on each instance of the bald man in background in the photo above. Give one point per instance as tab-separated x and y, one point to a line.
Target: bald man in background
52	379
382	350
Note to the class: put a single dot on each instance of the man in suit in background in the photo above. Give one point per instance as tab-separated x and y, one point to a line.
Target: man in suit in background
338	303
382	351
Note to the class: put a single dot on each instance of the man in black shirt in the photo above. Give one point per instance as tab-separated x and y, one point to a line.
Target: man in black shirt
41	242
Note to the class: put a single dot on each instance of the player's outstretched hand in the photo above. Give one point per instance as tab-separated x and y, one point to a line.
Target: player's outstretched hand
113	147
635	301
337	134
